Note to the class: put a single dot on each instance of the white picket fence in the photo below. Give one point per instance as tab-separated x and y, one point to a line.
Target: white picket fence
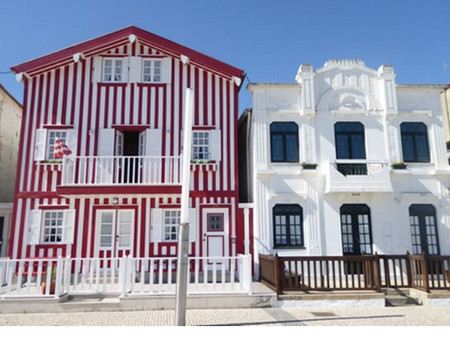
125	276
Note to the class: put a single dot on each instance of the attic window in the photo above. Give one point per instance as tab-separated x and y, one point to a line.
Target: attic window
112	70
152	70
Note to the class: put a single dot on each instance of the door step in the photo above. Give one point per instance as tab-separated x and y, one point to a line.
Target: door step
399	297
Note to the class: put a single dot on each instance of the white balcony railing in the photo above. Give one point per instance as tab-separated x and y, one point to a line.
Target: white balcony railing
121	170
126	276
355	175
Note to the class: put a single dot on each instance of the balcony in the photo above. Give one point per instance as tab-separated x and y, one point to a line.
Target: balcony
358	176
120	171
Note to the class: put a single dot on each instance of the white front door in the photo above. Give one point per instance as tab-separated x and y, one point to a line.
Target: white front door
114	233
215	234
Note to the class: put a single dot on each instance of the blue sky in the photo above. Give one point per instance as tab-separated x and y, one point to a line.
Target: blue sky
267	39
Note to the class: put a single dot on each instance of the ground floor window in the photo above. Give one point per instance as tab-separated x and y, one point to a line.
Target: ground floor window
288	225
424	235
356	229
171	224
52	230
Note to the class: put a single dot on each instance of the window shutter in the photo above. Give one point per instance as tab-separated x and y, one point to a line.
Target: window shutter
135	69
153	142
157	225
35	227
192	224
167	70
125	70
72	139
215	145
68	226
106	144
97	69
40	145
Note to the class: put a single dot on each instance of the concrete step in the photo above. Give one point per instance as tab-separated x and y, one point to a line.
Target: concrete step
397	300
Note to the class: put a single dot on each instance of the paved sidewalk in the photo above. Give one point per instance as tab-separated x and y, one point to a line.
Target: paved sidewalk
331	316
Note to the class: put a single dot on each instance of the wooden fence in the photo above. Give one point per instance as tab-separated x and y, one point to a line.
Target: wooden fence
368	272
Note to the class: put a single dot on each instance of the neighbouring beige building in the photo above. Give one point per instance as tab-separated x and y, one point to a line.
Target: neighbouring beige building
10	118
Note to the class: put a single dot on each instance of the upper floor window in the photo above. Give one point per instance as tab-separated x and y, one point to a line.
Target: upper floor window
201	145
152	71
51	137
288	225
112	70
415	142
284	142
349	138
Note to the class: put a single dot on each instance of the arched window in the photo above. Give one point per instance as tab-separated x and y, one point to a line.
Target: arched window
284	142
288	225
415	142
424	234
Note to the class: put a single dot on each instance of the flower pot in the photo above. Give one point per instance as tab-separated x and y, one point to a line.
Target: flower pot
44	288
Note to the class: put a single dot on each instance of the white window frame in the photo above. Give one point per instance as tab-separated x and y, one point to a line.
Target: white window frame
116	76
201	145
51	135
58	227
171	223
152	73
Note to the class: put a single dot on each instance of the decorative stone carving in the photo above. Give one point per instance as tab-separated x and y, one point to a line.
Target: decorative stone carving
374	168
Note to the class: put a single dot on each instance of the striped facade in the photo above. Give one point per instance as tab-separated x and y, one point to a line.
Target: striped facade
61	93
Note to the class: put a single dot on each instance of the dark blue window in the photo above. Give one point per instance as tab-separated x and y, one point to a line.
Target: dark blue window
288	225
349	140
415	142
284	142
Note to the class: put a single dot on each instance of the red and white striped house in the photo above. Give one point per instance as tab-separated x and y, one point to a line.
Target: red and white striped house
117	102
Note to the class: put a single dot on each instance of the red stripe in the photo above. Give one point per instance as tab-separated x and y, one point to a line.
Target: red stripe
55	96
131	103
74	94
81	112
140	114
124	94
106	113
205	98
65	118
172	109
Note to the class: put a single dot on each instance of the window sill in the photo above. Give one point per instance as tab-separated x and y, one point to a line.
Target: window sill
49	166
210	166
288	247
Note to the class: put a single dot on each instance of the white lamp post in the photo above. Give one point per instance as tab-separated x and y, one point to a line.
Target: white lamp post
183	236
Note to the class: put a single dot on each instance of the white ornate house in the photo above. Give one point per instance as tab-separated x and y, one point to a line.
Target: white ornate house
346	162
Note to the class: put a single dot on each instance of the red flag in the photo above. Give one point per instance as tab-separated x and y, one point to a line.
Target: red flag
60	149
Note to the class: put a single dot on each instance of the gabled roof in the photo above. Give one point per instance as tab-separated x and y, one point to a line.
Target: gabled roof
97	45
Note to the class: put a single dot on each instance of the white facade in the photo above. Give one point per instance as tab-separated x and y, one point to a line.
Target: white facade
354	123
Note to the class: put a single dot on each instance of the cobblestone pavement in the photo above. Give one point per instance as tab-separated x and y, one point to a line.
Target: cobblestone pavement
331	316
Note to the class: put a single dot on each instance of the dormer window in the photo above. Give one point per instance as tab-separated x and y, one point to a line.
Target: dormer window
112	70
152	71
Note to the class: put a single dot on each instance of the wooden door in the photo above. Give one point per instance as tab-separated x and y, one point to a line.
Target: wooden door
215	235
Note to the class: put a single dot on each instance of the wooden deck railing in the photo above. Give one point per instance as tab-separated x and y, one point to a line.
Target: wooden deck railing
369	272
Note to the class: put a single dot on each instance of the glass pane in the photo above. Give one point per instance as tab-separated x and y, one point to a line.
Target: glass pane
292	148
105	241
277	148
